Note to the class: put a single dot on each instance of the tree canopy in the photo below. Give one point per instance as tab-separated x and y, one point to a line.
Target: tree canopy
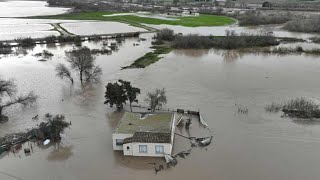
82	61
115	95
119	92
131	92
9	97
156	99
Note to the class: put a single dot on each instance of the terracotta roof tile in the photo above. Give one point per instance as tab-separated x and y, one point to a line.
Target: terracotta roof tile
149	137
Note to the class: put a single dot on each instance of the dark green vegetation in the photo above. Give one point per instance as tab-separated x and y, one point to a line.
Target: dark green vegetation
298	107
119	93
230	41
195	21
244	41
9	97
193	41
253	18
25	42
54	126
5	48
150	57
315	40
53	39
45	54
309	25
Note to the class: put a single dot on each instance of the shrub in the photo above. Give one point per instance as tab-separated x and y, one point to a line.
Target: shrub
311	25
25	42
298	107
234	41
50	39
315	40
192	41
5	48
251	18
165	35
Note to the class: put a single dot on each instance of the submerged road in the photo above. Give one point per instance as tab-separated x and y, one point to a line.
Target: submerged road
61	30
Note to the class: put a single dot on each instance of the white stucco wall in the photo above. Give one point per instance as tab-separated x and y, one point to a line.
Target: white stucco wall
151	149
173	130
119	136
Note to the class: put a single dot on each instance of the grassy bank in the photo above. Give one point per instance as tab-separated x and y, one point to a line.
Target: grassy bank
194	21
150	57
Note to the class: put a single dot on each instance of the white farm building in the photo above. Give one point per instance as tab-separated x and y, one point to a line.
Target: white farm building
145	134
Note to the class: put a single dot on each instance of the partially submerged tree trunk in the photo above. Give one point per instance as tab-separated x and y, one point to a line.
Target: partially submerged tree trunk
130	106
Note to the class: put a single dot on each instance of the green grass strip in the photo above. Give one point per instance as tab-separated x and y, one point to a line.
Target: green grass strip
150	57
191	21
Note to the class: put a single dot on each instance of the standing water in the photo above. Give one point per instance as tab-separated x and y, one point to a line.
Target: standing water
252	146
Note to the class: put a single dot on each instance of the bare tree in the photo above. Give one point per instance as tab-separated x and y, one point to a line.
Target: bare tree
63	72
156	99
8	97
93	74
82	61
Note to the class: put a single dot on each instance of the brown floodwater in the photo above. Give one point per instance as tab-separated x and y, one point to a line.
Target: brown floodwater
258	145
252	146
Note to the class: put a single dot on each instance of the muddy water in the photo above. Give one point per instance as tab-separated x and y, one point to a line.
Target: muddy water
276	30
254	146
28	8
89	28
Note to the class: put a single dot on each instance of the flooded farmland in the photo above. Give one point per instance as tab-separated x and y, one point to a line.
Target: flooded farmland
252	146
89	28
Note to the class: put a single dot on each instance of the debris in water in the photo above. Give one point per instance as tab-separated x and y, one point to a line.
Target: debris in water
188	123
46	142
170	160
202	121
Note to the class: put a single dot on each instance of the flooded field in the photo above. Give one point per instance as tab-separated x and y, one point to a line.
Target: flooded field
28	8
252	146
221	30
257	145
13	31
90	28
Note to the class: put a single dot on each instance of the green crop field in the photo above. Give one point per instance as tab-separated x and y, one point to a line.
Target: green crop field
191	21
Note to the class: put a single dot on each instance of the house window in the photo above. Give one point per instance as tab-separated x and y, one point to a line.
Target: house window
119	142
143	149
159	149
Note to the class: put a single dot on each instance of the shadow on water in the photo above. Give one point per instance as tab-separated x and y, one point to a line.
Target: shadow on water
306	122
192	52
60	152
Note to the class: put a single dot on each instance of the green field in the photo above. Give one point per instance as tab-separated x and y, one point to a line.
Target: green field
150	57
195	21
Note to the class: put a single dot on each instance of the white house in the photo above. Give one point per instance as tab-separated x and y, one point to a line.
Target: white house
145	134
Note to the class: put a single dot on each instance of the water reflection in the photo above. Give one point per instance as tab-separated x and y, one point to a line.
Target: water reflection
60	152
306	122
191	52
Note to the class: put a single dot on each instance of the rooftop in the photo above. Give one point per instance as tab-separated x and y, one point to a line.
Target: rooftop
149	137
145	122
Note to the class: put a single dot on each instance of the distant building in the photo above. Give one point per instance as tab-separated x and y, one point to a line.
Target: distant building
144	134
255	3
